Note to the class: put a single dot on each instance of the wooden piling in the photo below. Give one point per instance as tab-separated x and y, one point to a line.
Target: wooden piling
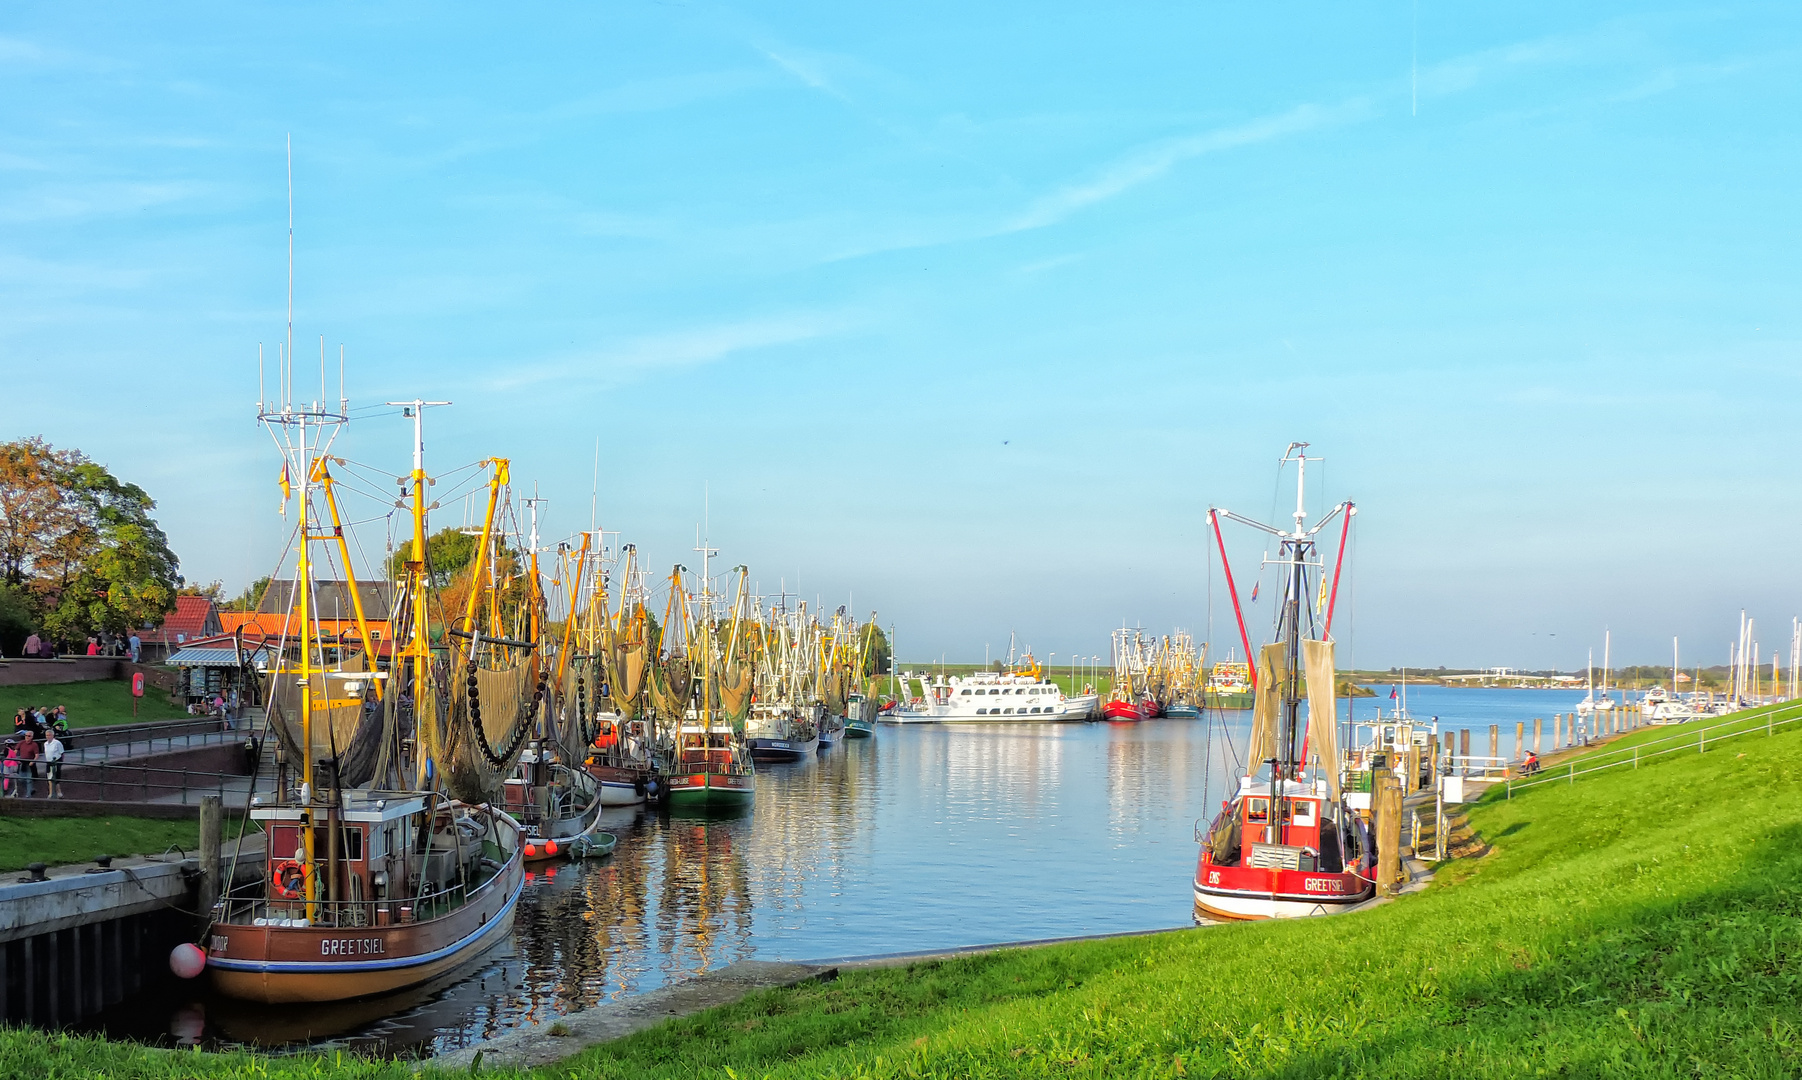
1538	734
1520	740
1495	743
1389	835
212	836
1464	748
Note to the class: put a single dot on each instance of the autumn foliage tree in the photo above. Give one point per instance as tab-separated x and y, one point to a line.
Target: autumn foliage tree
78	546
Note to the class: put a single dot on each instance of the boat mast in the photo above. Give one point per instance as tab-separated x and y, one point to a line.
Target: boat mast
1287	767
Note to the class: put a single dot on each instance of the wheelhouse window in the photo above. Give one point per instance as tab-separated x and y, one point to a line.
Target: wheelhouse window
1257	810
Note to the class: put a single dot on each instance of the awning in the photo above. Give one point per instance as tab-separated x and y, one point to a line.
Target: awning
205	658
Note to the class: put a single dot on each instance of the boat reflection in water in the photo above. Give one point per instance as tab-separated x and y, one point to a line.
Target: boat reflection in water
925	837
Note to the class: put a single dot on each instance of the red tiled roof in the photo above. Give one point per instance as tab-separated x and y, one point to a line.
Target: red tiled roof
189	616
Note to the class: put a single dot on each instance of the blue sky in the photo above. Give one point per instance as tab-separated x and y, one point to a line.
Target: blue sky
965	315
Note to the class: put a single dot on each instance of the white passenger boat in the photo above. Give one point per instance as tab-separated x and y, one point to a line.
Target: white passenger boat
985	697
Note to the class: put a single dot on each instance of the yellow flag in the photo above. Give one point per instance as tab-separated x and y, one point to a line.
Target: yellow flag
283	480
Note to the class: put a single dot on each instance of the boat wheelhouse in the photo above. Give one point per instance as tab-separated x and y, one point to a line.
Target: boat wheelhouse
401	887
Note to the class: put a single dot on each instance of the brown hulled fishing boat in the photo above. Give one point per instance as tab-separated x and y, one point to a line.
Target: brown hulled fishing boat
377	875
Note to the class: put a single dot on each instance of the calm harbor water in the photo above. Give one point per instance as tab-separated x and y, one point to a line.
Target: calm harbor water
924	838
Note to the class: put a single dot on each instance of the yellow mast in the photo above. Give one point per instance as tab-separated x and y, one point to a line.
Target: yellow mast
569	622
350	576
495	483
303	584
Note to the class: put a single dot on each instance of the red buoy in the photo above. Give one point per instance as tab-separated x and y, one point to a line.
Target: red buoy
531	851
550	847
187	960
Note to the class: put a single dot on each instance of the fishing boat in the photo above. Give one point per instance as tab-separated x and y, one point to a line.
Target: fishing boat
1229	685
368	886
860	717
612	650
777	732
1179	686
1131	698
711	768
552	803
1285	843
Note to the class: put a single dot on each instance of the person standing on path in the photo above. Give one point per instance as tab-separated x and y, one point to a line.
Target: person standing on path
53	765
136	645
28	765
33	644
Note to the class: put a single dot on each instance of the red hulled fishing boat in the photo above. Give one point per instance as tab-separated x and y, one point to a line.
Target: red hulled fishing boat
1285	844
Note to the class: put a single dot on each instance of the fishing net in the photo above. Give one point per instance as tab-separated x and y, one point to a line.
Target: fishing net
735	692
1323	728
490	728
349	725
1273	676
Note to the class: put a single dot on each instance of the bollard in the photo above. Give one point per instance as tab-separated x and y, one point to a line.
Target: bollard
1538	734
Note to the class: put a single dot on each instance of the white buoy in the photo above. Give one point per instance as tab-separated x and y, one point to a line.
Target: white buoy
187	960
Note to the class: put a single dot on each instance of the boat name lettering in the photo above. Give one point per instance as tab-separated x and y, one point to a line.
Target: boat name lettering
1318	884
350	947
1213	877
218	944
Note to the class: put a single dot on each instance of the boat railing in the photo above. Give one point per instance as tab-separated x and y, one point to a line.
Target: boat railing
248	905
1690	739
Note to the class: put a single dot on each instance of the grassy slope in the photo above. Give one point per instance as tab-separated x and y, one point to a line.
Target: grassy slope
58	841
106	701
1637	923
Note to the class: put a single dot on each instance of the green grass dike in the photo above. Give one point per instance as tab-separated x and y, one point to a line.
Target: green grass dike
90	704
1639	922
63	840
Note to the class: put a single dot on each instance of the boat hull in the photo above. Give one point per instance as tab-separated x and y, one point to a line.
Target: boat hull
287	965
1127	711
1233	699
1182	712
619	785
711	791
781	749
860	729
1251	893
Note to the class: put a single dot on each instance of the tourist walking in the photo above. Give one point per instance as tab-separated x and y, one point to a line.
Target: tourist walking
53	765
93	646
9	771
33	644
28	765
136	645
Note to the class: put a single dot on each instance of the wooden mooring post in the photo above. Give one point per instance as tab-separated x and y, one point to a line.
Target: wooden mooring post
212	837
1387	797
1464	748
1520	740
1495	743
1538	734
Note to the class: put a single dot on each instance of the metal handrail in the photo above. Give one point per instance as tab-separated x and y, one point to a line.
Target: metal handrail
212	782
1688	737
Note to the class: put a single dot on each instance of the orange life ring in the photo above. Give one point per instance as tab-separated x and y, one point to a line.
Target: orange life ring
285	889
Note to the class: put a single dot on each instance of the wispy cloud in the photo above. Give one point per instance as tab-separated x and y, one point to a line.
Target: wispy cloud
1152	162
669	350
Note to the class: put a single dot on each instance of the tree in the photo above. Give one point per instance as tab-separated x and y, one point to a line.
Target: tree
16	620
251	598
449	552
877	658
81	543
213	590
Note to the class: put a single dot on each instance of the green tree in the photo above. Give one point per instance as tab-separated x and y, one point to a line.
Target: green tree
251	598
80	542
16	620
449	552
877	656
